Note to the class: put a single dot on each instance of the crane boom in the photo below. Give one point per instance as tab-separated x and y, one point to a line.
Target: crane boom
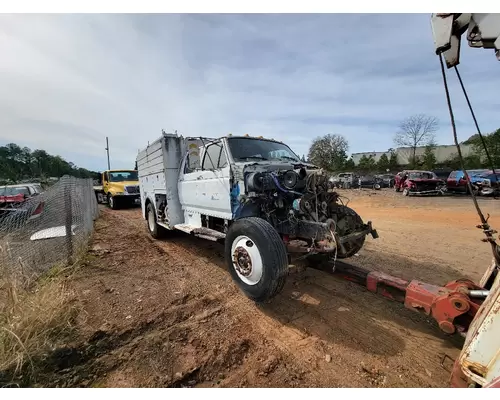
483	30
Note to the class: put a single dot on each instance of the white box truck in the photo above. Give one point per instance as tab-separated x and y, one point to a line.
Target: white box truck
253	194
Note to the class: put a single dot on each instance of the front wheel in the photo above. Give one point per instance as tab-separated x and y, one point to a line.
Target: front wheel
257	258
406	192
112	202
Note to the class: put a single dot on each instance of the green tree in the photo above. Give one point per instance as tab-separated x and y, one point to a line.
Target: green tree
393	160
329	152
492	141
367	163
472	161
383	163
415	162
18	163
429	158
40	162
349	165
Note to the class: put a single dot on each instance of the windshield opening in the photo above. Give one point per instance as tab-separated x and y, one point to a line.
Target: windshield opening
122	176
422	175
14	191
244	149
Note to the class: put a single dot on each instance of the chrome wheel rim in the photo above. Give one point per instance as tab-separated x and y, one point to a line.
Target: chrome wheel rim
151	220
247	260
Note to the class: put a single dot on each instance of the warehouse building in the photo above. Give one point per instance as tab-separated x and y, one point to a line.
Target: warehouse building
442	153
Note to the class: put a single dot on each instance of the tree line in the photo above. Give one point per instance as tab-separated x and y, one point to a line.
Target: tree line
330	151
21	163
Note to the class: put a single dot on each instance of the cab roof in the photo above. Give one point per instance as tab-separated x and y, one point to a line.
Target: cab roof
229	136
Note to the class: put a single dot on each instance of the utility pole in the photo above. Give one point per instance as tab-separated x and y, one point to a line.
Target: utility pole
107	150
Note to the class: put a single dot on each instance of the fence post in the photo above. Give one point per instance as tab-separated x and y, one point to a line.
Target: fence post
91	204
69	219
93	199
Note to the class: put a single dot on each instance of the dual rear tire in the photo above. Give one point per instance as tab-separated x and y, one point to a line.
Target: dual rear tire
155	230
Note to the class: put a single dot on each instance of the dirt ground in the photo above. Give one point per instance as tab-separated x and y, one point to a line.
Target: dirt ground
166	313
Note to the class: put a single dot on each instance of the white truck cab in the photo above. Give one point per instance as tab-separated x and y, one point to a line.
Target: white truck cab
253	194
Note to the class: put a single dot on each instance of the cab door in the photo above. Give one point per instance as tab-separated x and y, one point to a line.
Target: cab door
105	182
206	190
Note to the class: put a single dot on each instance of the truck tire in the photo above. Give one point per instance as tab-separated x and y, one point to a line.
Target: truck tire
256	257
113	204
154	229
347	217
350	217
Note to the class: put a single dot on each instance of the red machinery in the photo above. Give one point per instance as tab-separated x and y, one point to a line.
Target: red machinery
453	306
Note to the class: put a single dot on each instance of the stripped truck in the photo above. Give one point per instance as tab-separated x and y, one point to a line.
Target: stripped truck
254	194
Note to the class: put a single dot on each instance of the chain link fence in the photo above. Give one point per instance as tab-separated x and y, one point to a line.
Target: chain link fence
47	230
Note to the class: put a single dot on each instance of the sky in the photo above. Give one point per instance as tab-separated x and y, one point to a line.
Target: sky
68	81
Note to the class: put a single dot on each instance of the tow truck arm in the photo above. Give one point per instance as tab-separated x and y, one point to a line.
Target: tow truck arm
453	306
483	30
459	307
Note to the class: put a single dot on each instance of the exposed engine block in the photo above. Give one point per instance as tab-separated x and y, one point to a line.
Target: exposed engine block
298	203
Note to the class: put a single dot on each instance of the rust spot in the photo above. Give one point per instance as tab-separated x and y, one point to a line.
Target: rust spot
476	368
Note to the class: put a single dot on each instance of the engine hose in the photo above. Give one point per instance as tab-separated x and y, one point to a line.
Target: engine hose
276	182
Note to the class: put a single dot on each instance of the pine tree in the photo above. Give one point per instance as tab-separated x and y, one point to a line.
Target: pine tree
429	158
383	163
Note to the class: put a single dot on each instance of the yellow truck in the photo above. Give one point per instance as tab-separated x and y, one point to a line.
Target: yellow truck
118	188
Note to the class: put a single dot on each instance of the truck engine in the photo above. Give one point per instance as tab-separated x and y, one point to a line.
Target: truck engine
296	200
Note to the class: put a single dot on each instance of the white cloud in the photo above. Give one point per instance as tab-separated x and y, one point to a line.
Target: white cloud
68	81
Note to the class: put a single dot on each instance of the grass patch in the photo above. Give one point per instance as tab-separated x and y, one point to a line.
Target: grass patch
32	324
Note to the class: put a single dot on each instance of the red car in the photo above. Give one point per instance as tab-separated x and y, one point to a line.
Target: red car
17	199
417	182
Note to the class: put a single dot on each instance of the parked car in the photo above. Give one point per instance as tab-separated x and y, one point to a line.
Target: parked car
488	184
417	182
27	189
387	180
368	181
456	182
16	199
344	180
